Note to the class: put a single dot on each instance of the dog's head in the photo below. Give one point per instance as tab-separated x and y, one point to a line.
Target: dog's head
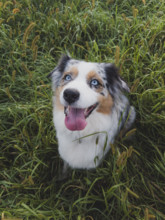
82	88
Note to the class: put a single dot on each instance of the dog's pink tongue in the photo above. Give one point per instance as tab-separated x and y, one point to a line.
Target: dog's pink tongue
75	120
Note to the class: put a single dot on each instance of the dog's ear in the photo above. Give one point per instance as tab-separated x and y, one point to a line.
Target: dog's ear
56	74
60	66
114	81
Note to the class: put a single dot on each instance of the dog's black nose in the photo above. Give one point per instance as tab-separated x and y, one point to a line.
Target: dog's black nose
71	95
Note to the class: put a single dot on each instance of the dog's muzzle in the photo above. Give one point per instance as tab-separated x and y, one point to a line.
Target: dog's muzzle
75	118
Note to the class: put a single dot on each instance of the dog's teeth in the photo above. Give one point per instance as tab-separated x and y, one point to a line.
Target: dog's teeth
86	112
66	110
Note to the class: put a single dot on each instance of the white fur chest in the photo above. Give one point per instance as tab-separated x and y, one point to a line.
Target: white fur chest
85	149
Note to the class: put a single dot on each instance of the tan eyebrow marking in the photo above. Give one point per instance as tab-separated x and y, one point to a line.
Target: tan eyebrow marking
73	71
93	75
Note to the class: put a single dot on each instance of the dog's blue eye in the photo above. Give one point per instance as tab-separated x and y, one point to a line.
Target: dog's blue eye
94	82
67	77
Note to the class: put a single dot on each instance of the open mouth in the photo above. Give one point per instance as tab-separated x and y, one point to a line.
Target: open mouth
75	118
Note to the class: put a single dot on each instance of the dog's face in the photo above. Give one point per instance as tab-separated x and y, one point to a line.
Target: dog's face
82	88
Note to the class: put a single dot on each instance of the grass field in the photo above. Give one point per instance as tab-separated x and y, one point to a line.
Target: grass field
130	183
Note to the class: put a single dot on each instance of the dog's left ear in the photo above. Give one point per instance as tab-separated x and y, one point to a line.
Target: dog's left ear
114	81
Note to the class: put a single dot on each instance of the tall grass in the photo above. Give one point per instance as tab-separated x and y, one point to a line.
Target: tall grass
130	183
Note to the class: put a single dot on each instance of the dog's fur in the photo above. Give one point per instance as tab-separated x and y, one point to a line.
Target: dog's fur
85	134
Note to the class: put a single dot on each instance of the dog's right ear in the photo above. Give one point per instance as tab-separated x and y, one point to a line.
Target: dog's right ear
61	66
56	74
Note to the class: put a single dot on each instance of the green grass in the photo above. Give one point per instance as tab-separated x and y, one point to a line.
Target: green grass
130	183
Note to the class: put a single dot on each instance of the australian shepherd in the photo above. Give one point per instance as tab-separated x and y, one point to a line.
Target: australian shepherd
89	110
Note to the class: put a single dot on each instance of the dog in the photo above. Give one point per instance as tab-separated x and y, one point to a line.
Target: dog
89	110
